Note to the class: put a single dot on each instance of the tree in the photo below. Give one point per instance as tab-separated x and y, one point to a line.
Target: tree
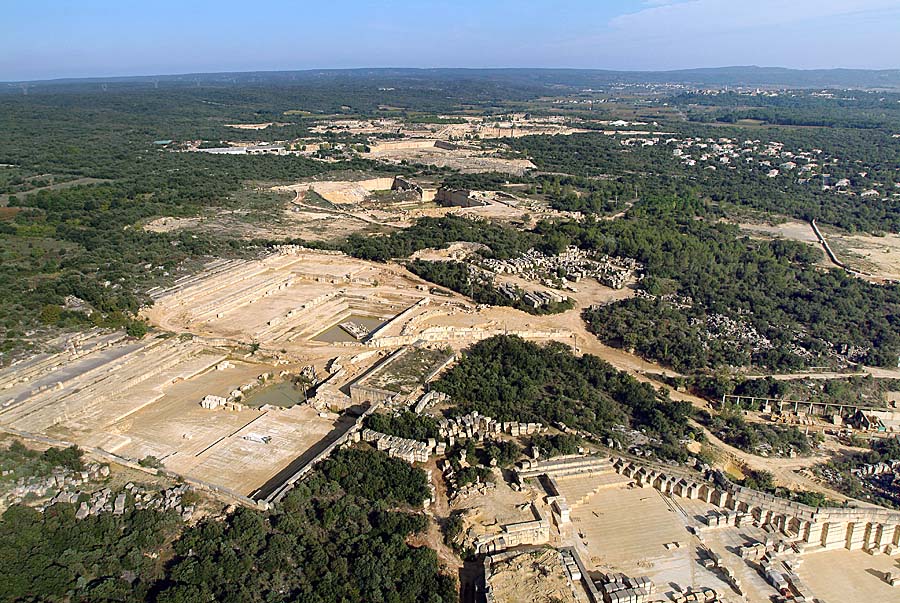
136	328
151	462
50	314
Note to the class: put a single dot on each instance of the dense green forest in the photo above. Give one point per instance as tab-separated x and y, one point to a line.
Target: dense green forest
333	538
841	108
782	311
510	379
557	444
641	171
406	424
504	241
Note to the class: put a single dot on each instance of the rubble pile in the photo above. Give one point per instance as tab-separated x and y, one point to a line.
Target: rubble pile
573	263
474	425
411	451
533	576
739	333
883	468
132	497
40	487
74	487
458	493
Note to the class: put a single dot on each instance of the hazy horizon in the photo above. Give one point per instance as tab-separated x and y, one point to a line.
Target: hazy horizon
100	38
406	68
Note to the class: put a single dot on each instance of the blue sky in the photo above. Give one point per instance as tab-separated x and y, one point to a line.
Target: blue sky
43	39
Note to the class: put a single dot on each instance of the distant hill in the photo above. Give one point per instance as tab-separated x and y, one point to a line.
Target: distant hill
516	78
779	76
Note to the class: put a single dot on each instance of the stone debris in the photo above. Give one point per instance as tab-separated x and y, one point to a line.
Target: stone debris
463	492
702	595
74	487
619	588
60	480
538	576
411	451
430	399
474	425
883	468
573	263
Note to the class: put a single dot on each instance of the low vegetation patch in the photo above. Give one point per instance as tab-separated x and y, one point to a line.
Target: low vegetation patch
406	424
758	438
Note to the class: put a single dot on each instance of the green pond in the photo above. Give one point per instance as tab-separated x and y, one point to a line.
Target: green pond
335	334
280	394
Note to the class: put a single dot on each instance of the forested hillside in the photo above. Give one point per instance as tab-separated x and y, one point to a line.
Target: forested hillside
715	297
510	379
334	538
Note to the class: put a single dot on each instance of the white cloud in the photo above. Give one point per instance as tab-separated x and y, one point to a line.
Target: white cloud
711	33
717	16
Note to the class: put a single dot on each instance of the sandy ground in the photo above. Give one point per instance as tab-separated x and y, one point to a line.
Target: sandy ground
211	445
311	224
157	413
878	256
462	160
262	126
495	211
288	219
859	578
641	522
532	577
171	224
644	524
793	230
241	462
788	473
499	506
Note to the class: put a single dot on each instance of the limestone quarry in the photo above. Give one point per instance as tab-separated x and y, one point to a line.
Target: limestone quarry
187	394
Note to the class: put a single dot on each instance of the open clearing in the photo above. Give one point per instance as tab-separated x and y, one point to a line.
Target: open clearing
641	523
878	256
466	160
859	578
790	229
264	215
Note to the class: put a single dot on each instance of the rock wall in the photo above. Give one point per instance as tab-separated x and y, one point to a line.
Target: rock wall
873	529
